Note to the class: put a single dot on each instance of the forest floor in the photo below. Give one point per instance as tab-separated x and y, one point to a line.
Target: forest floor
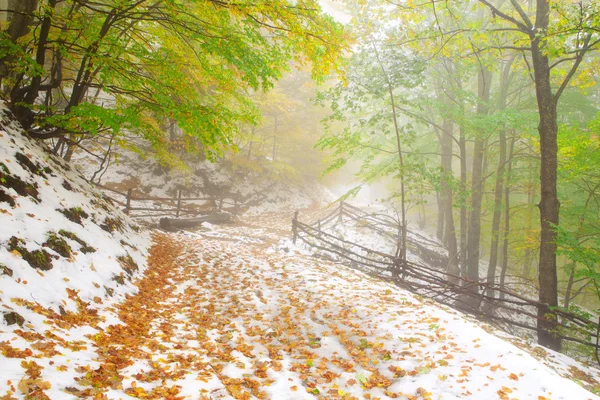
224	314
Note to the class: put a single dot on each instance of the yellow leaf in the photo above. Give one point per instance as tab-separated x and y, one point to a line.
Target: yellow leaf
24	386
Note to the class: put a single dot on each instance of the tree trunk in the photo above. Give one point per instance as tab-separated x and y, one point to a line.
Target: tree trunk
40	57
549	204
474	234
570	285
491	275
462	146
20	14
441	218
446	194
506	218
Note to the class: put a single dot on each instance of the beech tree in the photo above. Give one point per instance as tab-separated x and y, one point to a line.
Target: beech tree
79	68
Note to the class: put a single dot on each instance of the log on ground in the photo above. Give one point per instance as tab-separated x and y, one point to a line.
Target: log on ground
179	223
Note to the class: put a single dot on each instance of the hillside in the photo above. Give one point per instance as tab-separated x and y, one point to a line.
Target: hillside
259	191
65	251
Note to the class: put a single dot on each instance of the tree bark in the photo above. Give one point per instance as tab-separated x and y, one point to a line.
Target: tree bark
21	17
447	200
549	204
506	218
441	217
474	234
497	214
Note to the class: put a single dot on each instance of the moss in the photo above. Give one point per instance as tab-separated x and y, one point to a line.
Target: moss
4	270
38	259
129	266
85	248
102	203
58	244
22	188
26	163
75	214
12	318
109	292
6	198
112	224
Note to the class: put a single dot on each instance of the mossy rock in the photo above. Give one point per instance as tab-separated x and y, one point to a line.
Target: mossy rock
38	259
26	163
6	198
22	188
75	214
58	244
67	185
4	270
12	318
112	224
85	248
128	264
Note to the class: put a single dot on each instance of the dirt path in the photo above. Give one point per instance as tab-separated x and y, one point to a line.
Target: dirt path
217	319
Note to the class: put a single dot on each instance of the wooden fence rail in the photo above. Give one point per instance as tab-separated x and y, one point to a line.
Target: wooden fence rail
175	205
511	312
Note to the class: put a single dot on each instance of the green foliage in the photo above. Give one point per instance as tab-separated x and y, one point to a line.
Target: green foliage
578	233
123	66
58	244
38	259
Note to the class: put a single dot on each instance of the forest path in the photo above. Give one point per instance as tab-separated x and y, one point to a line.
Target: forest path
222	319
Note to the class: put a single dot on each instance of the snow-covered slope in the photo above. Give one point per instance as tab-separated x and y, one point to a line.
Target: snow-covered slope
61	243
258	193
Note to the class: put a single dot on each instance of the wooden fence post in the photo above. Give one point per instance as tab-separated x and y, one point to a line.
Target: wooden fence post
178	203
128	201
341	215
295	227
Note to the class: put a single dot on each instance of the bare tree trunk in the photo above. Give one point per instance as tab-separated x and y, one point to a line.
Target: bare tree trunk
450	231
474	234
570	285
462	147
402	253
506	217
20	14
441	217
549	204
491	275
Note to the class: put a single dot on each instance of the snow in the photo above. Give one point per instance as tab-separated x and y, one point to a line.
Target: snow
205	179
235	311
36	294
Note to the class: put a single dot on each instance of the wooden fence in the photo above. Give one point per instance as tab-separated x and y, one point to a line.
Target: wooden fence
178	206
503	308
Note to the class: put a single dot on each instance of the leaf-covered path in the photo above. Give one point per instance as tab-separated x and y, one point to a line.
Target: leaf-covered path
219	319
220	316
